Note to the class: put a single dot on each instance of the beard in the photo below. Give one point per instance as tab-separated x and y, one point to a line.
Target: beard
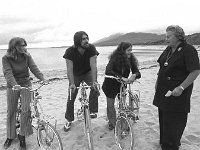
85	45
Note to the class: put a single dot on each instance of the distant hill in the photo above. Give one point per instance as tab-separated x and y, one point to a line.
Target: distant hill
134	38
193	39
112	36
143	39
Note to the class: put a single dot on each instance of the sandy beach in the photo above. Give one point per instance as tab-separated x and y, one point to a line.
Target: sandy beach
146	130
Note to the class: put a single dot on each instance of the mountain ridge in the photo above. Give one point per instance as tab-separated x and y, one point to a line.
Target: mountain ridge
141	38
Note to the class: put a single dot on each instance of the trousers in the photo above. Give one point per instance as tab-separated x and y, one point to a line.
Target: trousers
93	97
12	103
172	126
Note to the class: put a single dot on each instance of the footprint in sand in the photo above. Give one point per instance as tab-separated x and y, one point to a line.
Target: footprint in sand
102	135
193	138
149	123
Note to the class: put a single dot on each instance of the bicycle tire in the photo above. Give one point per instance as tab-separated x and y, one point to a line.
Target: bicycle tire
124	134
88	128
47	135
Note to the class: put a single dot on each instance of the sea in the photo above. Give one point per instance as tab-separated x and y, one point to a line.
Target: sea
51	62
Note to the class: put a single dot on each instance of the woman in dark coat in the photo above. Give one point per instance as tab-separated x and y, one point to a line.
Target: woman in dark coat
121	62
179	67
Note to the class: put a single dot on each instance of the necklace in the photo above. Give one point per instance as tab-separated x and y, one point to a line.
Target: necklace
169	55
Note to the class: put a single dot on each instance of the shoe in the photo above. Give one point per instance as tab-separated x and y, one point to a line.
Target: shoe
110	127
93	115
67	126
7	143
22	142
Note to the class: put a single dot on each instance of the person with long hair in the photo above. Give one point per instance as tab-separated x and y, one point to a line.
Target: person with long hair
121	62
81	61
179	67
16	65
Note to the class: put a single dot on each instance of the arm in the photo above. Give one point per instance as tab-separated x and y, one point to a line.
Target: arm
7	71
135	74
93	65
192	65
134	68
70	75
190	79
187	82
34	69
110	69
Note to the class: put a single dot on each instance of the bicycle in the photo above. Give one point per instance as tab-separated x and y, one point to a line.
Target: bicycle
127	112
84	111
47	136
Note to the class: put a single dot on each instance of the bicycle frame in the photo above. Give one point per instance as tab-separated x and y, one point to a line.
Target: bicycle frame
126	113
130	111
86	113
47	135
35	98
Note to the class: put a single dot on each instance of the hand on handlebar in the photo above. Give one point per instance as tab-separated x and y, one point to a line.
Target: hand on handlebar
125	79
96	86
72	87
44	82
16	87
128	80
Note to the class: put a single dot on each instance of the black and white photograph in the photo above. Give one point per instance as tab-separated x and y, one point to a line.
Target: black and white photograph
99	75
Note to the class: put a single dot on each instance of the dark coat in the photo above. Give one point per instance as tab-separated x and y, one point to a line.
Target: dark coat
183	61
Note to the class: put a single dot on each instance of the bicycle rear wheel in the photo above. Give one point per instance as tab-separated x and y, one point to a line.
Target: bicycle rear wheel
88	128
124	134
48	138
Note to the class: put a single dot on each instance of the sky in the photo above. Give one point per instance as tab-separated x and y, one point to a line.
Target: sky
54	22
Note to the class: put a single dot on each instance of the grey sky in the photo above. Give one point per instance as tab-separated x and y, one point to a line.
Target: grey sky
56	21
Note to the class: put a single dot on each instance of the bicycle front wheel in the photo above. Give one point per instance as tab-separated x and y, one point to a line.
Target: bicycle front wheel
88	128
124	134
48	138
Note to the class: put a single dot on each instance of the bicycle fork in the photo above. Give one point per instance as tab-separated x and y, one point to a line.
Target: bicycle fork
88	130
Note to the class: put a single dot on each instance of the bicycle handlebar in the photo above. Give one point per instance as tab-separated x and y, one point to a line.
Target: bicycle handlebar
119	79
31	90
83	86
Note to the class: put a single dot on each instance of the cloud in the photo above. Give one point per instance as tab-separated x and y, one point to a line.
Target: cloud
58	20
33	30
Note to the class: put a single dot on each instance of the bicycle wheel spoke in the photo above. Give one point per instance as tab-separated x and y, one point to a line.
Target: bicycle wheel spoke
123	134
48	138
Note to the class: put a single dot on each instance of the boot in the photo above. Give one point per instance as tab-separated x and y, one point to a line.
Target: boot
22	142
7	143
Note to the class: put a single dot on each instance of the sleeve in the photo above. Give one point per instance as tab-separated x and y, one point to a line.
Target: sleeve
34	69
110	69
191	59
7	71
134	67
68	54
93	51
159	58
136	71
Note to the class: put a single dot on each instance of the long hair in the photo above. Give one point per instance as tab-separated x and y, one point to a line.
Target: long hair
78	38
120	57
13	43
